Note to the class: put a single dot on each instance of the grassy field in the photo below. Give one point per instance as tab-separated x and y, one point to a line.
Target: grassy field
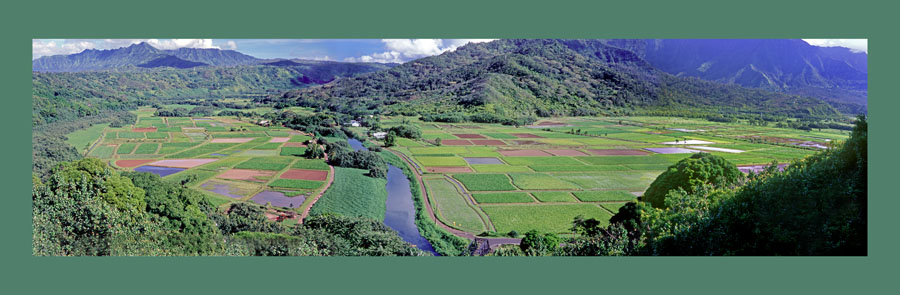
103	151
353	194
296	183
485	182
604	196
126	148
452	207
544	218
510	197
310	164
553	196
265	163
82	139
539	181
147	148
293	151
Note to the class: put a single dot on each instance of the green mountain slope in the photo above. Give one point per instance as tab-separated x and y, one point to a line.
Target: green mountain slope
513	78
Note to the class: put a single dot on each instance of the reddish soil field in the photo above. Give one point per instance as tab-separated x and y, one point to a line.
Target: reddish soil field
469	135
564	152
231	140
151	129
132	163
523	153
448	169
455	142
246	174
279	139
294	144
182	163
317	175
488	142
617	152
525	135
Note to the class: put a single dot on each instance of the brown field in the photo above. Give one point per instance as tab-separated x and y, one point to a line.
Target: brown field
279	139
615	152
456	142
488	142
448	169
525	135
150	129
468	135
566	152
246	174
132	163
550	123
294	144
182	163
523	153
317	175
231	140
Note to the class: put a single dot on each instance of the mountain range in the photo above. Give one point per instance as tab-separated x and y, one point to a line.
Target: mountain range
547	77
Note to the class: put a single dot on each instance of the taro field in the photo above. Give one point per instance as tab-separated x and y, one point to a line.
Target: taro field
496	178
227	159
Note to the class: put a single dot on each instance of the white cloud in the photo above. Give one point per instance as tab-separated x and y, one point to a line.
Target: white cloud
857	45
70	46
230	45
402	50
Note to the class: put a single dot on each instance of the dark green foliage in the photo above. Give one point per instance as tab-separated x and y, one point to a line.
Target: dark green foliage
537	244
354	236
342	155
406	131
699	169
246	217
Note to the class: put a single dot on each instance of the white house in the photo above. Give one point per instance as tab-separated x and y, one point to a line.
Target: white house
354	123
379	135
263	123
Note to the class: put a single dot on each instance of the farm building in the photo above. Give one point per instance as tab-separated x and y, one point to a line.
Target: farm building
379	135
263	123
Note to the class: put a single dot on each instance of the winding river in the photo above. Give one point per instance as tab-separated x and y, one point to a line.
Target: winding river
401	212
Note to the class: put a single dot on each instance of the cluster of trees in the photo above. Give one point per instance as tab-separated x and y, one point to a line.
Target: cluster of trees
481	117
816	206
342	155
48	141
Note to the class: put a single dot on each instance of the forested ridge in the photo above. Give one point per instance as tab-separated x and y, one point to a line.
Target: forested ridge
517	78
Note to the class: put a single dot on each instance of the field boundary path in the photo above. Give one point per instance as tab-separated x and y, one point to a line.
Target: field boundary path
99	140
316	199
471	203
491	242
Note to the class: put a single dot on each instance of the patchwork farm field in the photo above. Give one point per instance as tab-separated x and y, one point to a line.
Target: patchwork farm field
226	159
543	175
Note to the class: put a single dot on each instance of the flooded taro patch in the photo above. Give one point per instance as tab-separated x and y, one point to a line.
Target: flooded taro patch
161	171
483	161
276	198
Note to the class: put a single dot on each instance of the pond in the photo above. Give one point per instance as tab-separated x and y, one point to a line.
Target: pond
401	212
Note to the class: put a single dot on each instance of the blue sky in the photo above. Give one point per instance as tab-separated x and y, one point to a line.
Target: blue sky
366	50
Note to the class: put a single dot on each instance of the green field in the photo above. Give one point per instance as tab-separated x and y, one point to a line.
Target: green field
296	183
544	218
452	207
353	194
539	181
103	151
147	148
83	138
293	151
265	163
553	196
515	197
604	196
310	164
126	148
485	182
441	161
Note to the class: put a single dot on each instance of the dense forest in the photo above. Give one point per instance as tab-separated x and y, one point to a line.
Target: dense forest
510	79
